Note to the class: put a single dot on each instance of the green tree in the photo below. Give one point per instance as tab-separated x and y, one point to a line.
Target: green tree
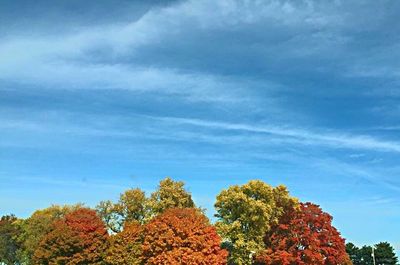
246	213
365	255
354	253
170	194
9	231
384	254
131	206
107	212
36	227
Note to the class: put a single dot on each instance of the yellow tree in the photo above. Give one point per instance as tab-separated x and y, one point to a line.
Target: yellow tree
245	213
131	206
170	194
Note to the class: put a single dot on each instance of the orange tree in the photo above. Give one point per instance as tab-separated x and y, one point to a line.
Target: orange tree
304	236
182	236
126	246
36	227
79	238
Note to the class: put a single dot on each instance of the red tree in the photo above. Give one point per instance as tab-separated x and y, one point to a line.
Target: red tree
182	236
304	236
79	238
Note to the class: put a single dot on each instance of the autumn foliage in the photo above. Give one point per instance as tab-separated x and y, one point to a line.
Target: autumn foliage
256	224
126	246
304	236
246	213
79	238
182	236
8	243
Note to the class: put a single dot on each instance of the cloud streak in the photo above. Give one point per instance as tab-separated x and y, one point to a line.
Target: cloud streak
152	128
330	139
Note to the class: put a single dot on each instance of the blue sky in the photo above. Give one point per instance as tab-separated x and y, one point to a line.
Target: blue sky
100	96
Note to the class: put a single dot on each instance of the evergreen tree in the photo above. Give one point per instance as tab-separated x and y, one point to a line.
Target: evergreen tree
384	254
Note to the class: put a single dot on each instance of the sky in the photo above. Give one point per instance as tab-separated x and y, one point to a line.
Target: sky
97	97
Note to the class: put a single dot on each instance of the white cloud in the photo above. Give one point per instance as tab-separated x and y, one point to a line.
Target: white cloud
325	139
118	126
66	60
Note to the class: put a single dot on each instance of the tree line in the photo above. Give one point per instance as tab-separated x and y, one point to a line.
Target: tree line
255	224
383	253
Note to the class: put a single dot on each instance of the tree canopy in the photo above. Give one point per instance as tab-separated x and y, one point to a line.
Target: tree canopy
9	232
384	254
36	227
126	246
133	205
170	194
182	236
246	213
78	238
256	224
306	236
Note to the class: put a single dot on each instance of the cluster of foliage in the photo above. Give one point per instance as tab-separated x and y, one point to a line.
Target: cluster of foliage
8	244
126	246
134	206
177	236
246	213
384	254
78	238
165	228
256	224
182	236
33	229
305	236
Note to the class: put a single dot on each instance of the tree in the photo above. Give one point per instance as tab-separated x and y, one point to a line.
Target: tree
182	236
170	194
305	237
365	255
132	206
246	213
79	238
8	245
384	254
106	211
354	253
36	227
126	246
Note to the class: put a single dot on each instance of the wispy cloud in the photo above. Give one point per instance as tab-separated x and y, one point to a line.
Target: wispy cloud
330	139
259	132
